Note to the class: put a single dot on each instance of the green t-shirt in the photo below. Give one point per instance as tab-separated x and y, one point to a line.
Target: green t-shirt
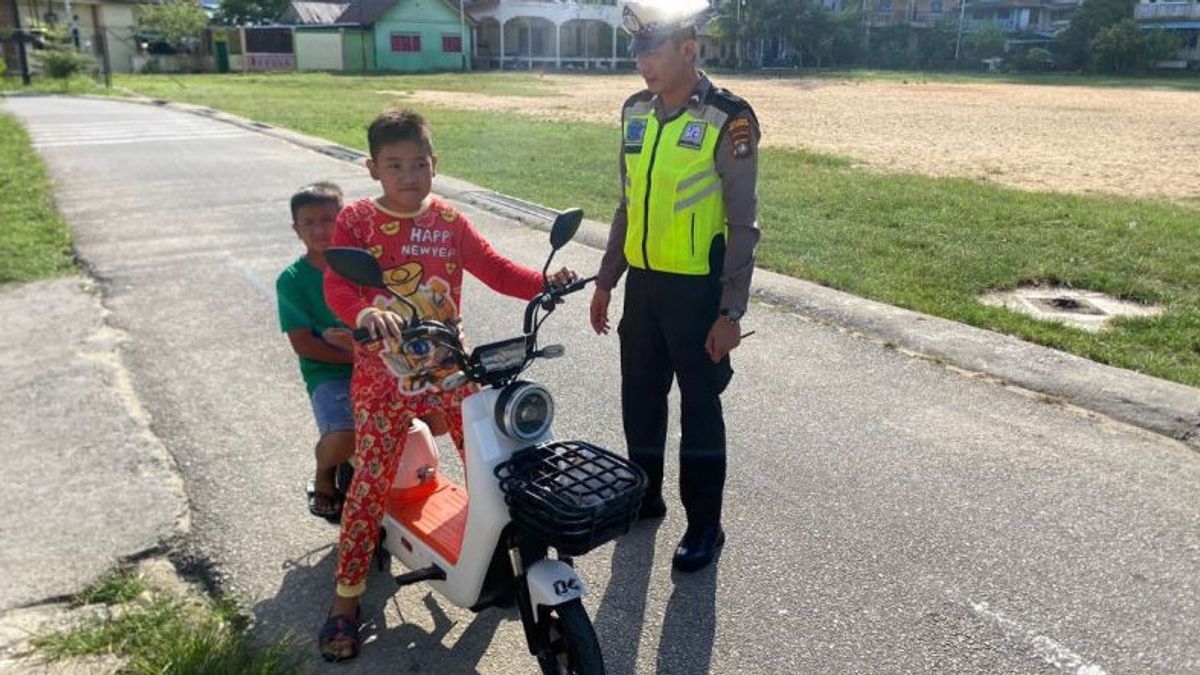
301	292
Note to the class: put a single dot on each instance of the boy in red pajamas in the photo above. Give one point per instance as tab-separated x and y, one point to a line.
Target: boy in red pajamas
423	245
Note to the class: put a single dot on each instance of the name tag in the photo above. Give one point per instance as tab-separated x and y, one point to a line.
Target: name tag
693	135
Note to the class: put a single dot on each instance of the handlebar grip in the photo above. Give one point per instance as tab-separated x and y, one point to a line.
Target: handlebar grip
362	335
577	285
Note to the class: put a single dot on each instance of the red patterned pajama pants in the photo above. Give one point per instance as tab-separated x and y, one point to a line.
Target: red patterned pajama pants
382	416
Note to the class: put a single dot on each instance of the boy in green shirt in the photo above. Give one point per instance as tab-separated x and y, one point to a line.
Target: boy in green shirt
324	345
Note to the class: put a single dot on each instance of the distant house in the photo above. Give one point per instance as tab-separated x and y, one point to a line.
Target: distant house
404	35
1024	21
103	28
917	13
1182	18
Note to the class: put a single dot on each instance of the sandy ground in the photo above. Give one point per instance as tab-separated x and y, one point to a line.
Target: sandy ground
1069	139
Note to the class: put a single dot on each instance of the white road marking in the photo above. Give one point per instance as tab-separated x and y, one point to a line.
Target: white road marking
1051	651
116	133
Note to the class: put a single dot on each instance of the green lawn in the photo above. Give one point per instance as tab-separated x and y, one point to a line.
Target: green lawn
34	242
924	243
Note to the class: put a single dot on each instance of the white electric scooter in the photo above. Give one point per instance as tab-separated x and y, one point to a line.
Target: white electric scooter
486	544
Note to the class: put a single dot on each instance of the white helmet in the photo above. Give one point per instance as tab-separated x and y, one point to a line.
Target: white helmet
653	22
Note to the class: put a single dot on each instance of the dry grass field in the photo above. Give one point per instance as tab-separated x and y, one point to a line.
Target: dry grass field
1132	142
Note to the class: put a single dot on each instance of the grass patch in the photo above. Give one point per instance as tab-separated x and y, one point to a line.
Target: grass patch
80	84
155	633
34	241
113	589
929	244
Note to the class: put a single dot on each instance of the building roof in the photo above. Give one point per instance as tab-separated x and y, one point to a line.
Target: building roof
367	12
310	13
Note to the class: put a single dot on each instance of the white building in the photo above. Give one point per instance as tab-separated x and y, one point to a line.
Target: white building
549	33
1182	18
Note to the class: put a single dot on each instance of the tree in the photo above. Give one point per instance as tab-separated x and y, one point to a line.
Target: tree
60	60
250	12
1036	59
178	24
1125	48
1092	18
986	43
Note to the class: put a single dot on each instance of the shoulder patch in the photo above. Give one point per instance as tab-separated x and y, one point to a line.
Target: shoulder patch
741	136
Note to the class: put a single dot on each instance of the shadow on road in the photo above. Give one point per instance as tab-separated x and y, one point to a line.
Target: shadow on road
690	624
304	596
622	612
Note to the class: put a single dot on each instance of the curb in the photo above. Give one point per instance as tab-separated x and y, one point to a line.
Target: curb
1157	405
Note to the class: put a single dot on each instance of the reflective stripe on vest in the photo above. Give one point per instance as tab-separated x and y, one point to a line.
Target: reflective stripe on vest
673	193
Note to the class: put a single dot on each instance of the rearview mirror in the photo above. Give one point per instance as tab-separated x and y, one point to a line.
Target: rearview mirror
566	225
356	265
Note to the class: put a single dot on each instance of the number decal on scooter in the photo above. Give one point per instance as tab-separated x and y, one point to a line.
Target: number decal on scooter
566	586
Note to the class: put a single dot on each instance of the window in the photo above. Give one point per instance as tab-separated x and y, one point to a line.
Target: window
885	6
452	44
936	7
406	43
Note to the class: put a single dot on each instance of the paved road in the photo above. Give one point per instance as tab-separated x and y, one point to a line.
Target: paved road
886	515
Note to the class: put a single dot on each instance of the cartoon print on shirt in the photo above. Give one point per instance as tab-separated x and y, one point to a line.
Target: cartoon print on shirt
418	366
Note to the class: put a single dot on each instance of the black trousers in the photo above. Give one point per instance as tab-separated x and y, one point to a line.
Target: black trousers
666	321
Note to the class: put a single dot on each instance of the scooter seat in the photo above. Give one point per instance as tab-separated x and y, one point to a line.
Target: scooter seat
438	521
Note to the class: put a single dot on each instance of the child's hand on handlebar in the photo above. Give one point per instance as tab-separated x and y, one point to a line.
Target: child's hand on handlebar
382	324
563	278
339	337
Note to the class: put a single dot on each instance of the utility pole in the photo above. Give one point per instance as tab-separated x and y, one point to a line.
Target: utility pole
462	32
19	35
72	32
962	13
867	23
738	44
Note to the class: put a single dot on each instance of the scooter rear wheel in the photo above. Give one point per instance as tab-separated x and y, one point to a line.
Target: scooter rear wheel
576	651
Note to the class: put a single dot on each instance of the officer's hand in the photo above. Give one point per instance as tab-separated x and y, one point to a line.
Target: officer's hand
724	337
600	300
382	324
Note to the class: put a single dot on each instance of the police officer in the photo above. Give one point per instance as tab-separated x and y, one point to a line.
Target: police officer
686	230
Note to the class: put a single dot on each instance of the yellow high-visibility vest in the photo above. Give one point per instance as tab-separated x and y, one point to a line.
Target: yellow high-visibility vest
673	194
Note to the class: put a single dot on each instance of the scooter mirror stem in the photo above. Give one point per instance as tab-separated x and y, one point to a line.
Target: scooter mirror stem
546	269
416	313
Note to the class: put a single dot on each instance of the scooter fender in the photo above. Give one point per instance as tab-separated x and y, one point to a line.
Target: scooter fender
552	583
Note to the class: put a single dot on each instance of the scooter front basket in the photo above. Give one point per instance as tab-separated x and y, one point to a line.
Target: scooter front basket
572	495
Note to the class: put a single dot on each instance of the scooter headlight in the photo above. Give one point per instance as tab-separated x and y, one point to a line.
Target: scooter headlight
525	411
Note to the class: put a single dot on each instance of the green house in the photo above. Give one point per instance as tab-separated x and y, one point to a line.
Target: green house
412	35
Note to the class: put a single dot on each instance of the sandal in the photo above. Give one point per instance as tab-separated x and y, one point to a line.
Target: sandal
323	504
338	639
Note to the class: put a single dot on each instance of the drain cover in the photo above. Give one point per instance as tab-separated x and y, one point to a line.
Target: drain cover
1067	304
1087	310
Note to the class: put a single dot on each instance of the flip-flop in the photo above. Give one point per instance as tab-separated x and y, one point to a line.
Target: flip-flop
334	513
338	639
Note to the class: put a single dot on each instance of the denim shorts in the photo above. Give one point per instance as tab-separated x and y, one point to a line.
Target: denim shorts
332	407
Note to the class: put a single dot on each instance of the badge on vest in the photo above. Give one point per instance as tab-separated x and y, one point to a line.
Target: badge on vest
693	135
635	133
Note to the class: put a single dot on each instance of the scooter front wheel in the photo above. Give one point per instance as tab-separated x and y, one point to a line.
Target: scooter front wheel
574	649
